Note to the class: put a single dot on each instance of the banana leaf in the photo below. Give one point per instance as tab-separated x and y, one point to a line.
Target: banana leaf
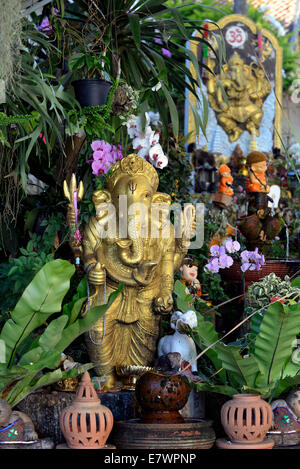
40	299
82	325
273	346
286	383
34	383
244	370
184	301
220	389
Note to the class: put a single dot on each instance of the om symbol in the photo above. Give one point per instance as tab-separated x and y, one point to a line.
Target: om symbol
235	36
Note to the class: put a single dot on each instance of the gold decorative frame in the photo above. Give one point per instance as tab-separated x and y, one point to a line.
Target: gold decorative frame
278	73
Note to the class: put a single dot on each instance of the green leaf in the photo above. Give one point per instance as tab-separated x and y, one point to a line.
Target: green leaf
77	61
296	282
42	297
82	325
76	309
273	346
179	21
245	370
135	28
2	351
12	271
173	110
184	301
220	389
90	61
205	335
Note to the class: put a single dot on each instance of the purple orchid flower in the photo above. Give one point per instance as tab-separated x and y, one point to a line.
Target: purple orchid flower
232	246
166	52
104	156
45	25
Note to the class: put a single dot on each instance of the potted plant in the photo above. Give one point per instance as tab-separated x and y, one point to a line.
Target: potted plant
262	367
30	361
92	88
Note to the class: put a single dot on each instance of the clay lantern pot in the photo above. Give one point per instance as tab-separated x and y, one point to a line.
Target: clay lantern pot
86	423
246	418
161	394
250	227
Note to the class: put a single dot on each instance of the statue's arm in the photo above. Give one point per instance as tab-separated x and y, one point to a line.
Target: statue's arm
91	244
263	91
163	303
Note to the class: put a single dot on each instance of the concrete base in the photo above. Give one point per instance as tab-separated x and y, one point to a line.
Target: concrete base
65	446
222	443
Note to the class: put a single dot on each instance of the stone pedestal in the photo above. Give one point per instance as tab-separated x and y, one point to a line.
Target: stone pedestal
45	410
192	434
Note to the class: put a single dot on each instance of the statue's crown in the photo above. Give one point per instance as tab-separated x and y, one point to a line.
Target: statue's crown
235	59
133	165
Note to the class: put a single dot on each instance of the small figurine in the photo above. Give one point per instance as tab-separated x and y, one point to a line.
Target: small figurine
205	169
180	342
286	419
224	195
226	180
257	181
189	273
15	426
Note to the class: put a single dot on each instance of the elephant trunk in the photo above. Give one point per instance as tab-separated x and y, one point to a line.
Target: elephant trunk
131	251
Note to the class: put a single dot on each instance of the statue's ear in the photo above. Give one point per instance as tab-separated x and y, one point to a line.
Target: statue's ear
101	197
161	198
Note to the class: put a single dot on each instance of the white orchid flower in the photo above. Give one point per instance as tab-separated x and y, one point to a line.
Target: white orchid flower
157	156
156	87
140	142
162	161
154	117
143	152
134	127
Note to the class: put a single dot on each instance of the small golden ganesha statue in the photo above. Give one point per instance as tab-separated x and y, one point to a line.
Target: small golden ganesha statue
246	87
126	243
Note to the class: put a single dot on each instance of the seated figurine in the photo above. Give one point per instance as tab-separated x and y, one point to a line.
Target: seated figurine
179	341
14	425
226	180
223	197
257	181
189	272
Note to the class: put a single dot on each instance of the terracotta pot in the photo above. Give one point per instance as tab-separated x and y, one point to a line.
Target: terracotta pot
280	267
246	418
161	395
86	424
273	226
250	227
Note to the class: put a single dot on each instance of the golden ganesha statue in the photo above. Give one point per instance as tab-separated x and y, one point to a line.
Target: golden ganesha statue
143	260
245	86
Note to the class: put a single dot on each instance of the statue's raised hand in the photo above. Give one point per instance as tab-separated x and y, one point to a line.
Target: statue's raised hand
96	274
163	304
69	191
